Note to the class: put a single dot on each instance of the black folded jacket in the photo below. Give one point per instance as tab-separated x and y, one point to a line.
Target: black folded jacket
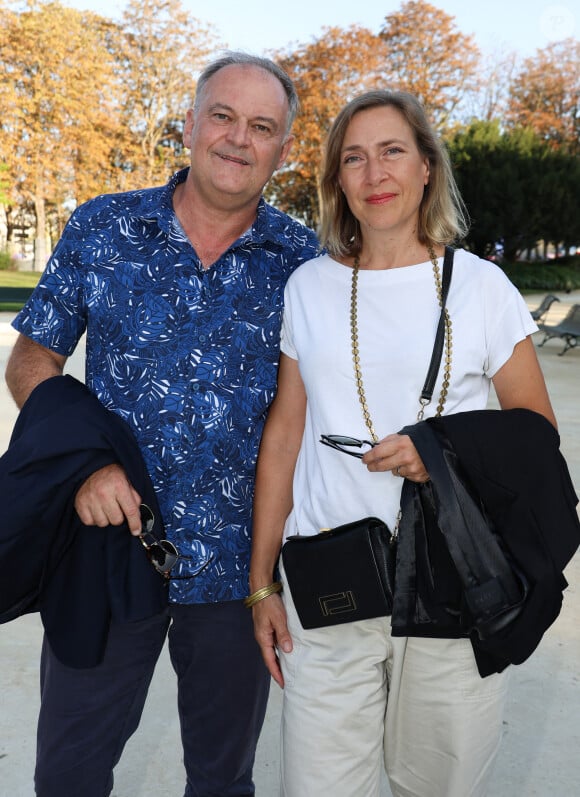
482	546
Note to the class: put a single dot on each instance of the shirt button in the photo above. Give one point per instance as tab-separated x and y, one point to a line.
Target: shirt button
202	338
195	387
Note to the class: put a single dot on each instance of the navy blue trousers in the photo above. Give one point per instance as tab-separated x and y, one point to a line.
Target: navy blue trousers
87	716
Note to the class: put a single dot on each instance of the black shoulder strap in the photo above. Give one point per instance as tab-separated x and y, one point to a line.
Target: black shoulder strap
429	385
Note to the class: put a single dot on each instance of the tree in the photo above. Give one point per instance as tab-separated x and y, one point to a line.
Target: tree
429	57
54	110
496	74
4	184
545	95
327	73
469	148
97	109
162	50
517	189
558	198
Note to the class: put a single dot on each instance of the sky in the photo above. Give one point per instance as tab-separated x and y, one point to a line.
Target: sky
261	25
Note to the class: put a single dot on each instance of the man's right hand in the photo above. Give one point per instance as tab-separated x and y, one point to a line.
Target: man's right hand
108	498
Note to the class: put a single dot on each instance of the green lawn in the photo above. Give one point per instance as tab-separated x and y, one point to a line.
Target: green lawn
18	279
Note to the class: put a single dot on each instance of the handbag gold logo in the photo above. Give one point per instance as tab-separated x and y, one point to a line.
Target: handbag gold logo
339	603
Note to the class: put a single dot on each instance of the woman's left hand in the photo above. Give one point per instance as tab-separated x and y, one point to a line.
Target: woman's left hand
398	454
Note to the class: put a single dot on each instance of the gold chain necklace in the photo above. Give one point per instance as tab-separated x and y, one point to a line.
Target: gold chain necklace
355	348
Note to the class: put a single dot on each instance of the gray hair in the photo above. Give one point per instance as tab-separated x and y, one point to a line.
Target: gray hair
238	58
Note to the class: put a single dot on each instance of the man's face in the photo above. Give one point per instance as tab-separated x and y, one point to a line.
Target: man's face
237	135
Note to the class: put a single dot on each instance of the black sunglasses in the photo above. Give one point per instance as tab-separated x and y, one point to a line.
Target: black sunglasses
341	443
162	553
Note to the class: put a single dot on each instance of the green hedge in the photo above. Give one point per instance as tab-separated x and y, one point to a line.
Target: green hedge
12	299
551	277
15	287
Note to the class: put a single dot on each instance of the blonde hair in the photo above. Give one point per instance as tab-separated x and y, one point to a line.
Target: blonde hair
442	214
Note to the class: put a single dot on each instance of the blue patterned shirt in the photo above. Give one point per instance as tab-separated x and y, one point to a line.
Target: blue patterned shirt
187	356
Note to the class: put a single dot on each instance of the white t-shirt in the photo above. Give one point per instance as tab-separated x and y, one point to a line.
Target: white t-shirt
398	313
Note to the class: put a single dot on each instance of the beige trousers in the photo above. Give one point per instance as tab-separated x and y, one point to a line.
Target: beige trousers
357	699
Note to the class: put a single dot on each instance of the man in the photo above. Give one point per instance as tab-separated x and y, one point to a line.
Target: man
180	290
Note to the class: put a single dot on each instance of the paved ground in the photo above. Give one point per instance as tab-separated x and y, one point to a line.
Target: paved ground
540	753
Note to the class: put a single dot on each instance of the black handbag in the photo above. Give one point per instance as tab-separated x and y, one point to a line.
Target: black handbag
343	574
346	574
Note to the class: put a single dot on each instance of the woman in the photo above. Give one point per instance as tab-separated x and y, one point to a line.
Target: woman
354	695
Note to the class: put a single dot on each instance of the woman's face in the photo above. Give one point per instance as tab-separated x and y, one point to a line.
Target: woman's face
382	173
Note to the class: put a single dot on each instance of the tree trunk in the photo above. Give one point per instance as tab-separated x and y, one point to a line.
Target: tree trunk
40	253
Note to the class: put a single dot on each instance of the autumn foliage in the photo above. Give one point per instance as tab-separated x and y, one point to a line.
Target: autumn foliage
91	105
327	73
545	95
428	56
88	105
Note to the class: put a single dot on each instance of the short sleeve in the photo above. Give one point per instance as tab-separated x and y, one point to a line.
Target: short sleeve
54	314
508	323
287	345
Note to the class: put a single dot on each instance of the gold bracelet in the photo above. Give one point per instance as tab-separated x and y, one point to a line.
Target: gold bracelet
263	592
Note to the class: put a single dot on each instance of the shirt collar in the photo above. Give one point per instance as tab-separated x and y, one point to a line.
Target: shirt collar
270	225
157	205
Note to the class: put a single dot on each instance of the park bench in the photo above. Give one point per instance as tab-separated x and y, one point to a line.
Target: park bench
568	329
544	306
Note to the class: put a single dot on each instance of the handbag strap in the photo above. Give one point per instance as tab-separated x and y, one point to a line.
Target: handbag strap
443	338
443	333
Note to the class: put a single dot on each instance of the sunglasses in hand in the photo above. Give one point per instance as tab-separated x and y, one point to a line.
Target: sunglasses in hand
345	444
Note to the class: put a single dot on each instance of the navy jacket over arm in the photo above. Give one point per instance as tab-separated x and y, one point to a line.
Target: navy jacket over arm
79	577
512	494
